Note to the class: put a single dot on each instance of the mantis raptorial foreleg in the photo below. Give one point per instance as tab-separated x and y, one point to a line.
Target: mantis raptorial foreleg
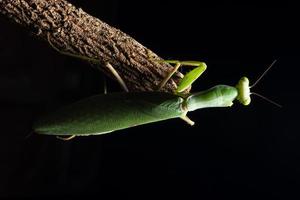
163	83
189	78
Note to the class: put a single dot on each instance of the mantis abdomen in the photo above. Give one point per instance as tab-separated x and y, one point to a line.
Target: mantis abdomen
106	113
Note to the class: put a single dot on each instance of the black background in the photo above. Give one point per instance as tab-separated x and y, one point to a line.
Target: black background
241	152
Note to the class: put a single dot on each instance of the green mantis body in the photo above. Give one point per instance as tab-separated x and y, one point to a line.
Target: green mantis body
105	113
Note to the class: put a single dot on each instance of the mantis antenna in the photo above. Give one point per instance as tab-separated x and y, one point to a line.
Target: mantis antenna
258	80
265	98
263	74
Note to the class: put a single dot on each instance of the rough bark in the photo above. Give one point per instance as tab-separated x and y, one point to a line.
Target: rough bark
75	31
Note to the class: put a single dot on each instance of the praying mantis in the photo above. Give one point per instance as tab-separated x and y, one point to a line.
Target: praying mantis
106	113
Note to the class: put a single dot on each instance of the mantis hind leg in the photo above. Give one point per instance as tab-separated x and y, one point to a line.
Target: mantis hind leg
93	60
117	76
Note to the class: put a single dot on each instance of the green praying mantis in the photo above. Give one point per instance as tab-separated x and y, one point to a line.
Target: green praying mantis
106	113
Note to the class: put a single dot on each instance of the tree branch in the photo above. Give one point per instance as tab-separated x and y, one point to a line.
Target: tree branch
74	31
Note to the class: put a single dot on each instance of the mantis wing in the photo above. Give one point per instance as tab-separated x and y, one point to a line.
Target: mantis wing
106	113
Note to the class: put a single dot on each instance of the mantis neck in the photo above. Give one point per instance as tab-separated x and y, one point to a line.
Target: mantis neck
217	96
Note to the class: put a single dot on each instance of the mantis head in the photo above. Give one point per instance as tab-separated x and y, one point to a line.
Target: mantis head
243	89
